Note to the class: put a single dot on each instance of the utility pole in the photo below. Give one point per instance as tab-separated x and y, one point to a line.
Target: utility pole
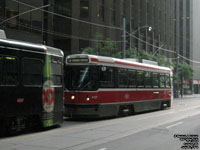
130	15
124	37
177	84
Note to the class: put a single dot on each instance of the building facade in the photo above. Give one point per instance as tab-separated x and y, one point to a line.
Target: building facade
196	45
73	25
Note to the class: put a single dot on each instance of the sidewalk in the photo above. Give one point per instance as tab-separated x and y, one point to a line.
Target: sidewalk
189	96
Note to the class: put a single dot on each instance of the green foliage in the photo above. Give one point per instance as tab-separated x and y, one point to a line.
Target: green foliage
163	61
105	47
89	50
131	53
144	55
185	71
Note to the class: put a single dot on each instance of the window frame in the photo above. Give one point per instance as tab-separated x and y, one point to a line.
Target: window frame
33	74
162	81
140	79
149	79
55	75
158	82
132	72
14	74
122	83
112	77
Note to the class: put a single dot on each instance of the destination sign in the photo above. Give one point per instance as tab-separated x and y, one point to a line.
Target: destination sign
77	60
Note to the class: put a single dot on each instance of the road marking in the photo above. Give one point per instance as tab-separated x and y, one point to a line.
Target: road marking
103	149
174	125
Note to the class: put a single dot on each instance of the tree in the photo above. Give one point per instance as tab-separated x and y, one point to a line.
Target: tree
105	47
185	72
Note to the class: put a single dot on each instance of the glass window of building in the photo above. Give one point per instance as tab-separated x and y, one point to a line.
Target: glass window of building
2	10
84	8
101	10
61	24
36	16
25	19
63	7
11	11
114	12
83	44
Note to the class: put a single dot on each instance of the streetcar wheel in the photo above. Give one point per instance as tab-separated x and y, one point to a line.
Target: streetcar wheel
163	106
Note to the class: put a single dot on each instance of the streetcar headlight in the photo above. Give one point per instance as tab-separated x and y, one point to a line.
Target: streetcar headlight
72	97
88	98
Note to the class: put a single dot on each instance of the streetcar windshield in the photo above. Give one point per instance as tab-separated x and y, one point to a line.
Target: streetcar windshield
82	78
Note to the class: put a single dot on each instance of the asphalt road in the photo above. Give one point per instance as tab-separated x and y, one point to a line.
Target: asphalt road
158	130
171	136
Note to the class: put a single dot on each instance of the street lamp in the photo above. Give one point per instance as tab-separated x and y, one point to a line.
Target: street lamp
138	29
149	29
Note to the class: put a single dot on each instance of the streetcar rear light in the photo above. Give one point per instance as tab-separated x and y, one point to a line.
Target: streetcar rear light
72	97
88	98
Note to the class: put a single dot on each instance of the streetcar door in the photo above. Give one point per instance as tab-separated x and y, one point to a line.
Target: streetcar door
9	80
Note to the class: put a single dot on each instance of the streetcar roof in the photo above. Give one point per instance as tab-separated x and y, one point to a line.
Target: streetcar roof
103	60
30	46
21	44
54	51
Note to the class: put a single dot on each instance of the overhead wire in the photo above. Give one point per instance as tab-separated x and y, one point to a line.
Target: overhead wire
105	26
71	18
61	34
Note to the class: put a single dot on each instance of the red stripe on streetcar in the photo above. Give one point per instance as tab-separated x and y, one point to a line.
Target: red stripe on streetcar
94	59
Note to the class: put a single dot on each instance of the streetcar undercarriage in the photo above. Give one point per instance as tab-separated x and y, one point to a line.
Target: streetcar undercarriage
111	110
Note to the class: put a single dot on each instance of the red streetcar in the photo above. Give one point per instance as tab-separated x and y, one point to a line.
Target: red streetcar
98	86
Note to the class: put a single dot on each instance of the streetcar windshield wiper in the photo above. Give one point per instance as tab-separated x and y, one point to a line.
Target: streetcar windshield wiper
83	78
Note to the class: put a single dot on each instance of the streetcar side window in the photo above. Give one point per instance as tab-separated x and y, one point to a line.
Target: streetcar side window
168	84
140	79
148	79
132	78
122	78
8	70
32	70
155	80
162	80
106	77
56	73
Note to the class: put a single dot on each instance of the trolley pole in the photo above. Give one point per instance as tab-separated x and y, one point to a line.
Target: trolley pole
124	37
